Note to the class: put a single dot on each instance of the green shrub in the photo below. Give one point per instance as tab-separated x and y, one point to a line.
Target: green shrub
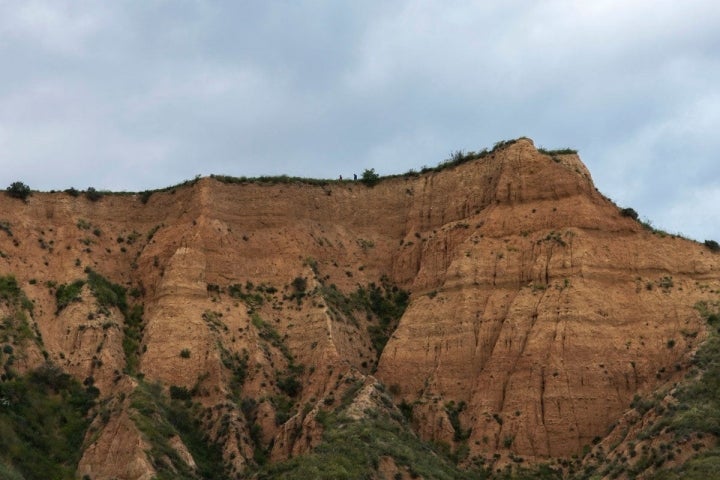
65	294
179	393
370	178
453	411
18	190
289	384
10	291
353	449
106	293
93	195
5	227
185	353
43	424
629	212
557	151
299	284
159	420
132	338
383	306
712	245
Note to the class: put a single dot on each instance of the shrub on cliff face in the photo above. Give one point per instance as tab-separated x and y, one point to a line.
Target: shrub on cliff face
629	212
68	293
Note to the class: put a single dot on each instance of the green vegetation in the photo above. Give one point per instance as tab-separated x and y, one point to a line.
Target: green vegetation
387	303
145	196
269	334
459	157
43	420
238	365
93	195
288	382
370	178
712	245
252	300
132	338
704	466
629	212
160	419
72	191
299	285
699	400
5	227
18	190
108	295
65	294
383	306
558	151
15	328
83	224
12	294
453	410
180	393
353	449
272	180
693	413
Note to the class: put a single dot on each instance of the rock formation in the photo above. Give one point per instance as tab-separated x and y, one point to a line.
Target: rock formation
537	311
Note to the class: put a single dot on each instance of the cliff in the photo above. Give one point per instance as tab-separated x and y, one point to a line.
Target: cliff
506	306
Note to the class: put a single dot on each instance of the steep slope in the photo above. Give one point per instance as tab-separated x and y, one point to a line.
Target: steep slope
548	311
536	311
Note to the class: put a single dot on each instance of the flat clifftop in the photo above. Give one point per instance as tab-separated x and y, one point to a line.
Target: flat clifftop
509	307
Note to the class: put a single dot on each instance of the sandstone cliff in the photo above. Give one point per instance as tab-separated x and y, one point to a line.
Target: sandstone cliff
536	310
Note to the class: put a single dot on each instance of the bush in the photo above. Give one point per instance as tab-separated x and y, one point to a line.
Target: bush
370	178
68	293
43	424
93	195
299	284
179	393
18	190
185	353
629	212
290	385
712	245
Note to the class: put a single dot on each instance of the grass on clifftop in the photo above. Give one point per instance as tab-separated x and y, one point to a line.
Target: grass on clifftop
456	158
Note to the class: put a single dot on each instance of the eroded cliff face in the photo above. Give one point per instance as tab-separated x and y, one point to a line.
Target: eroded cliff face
536	310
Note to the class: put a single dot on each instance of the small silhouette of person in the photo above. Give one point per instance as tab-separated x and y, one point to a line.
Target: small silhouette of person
354	176
340	177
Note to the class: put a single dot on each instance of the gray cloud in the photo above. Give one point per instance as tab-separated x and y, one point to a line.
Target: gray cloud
136	95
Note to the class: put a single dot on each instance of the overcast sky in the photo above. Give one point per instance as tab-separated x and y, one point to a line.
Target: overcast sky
133	95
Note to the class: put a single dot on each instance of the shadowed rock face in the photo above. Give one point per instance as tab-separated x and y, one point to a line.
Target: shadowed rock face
535	306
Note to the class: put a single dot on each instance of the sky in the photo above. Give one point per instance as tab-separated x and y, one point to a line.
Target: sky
136	95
